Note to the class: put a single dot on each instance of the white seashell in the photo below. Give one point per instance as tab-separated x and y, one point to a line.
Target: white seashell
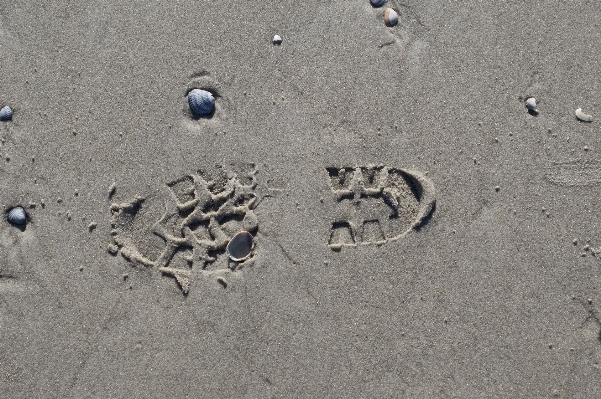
378	3
277	39
391	18
201	102
17	216
6	113
240	246
582	116
531	104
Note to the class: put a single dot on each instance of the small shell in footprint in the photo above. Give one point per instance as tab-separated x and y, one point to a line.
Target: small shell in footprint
582	116
17	216
391	18
6	113
240	246
201	102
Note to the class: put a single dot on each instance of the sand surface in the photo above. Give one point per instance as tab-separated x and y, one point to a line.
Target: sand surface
418	232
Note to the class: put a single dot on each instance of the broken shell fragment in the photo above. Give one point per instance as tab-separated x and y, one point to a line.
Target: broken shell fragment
531	104
277	39
240	246
6	113
378	3
17	216
391	18
582	116
202	102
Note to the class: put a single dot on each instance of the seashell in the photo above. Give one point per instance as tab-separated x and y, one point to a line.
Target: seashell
277	39
531	104
6	113
17	216
582	116
391	18
378	3
240	246
201	102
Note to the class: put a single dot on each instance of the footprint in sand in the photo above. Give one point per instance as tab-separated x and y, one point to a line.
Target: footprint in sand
574	173
206	209
377	204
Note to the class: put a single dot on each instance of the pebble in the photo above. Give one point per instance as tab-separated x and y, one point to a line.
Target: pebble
112	249
277	39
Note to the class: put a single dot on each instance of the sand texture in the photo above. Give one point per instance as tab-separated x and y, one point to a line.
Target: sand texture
418	233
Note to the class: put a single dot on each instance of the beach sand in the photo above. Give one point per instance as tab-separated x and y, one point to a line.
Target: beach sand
418	232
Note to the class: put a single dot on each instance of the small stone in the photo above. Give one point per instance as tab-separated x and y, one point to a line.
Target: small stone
92	226
277	39
497	188
112	249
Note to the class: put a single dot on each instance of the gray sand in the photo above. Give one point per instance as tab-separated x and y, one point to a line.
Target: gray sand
496	294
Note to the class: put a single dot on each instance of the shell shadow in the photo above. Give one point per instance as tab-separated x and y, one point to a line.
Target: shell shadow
533	113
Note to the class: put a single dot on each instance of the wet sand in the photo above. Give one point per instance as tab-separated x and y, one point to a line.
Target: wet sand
418	232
